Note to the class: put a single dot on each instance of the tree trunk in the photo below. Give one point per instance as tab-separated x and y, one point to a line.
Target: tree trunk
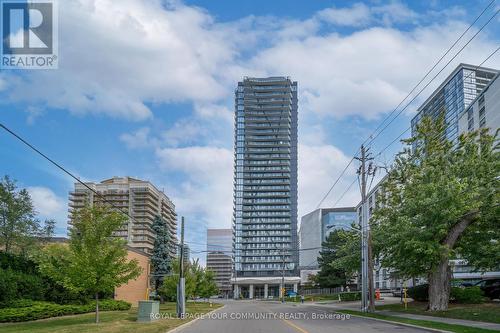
439	286
439	279
96	308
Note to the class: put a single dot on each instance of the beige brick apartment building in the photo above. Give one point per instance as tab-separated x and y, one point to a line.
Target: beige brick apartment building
140	199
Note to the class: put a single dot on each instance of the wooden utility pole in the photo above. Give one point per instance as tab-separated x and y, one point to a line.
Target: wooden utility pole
367	290
181	298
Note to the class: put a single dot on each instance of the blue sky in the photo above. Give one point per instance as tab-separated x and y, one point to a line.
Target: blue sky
145	89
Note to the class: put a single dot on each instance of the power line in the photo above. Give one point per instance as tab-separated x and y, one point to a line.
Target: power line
336	181
435	76
370	137
468	75
430	70
345	192
63	169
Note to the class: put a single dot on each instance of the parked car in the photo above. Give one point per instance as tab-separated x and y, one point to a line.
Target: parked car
490	287
397	292
464	283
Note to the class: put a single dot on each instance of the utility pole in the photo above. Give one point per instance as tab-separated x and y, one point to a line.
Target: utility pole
367	292
283	275
181	298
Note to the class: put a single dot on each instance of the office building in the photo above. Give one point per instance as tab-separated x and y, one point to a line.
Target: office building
141	200
219	258
265	187
453	96
484	111
186	255
315	228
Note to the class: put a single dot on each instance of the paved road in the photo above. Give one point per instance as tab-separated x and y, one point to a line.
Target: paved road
275	317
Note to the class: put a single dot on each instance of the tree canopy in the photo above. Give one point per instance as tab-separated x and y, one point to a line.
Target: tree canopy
94	261
160	258
20	230
199	282
440	202
340	258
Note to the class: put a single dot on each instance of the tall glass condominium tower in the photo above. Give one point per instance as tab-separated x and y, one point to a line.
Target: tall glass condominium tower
265	178
453	96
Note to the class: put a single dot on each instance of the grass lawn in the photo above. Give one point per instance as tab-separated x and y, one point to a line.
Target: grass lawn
111	322
422	323
488	312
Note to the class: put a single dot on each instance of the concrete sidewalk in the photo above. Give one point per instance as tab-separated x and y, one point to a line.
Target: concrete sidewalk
470	323
393	300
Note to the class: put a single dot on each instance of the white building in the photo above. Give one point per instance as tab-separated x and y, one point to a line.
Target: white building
484	111
315	228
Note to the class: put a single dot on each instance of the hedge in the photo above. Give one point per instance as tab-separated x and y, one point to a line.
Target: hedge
20	279
464	295
419	293
32	310
17	285
350	296
468	295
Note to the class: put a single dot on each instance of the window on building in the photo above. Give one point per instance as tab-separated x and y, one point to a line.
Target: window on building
470	113
482	122
481	100
471	124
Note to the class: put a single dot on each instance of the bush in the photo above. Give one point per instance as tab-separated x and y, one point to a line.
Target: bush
20	279
17	263
18	285
39	310
419	293
468	295
350	296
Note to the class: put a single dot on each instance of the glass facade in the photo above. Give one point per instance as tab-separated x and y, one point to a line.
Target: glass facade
454	96
333	220
265	178
315	228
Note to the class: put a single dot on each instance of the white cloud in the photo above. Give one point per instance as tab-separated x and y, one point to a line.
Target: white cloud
46	202
360	15
155	52
357	15
207	190
184	131
33	113
115	59
138	139
366	73
49	205
319	167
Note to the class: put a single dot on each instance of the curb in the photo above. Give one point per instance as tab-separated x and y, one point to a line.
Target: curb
178	328
401	324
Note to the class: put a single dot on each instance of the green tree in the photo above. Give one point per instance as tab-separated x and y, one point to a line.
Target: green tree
95	261
160	259
208	287
19	227
199	282
169	287
340	258
440	202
